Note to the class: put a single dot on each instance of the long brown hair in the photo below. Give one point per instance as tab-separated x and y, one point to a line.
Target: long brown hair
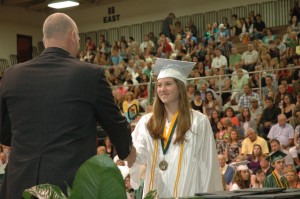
237	178
157	121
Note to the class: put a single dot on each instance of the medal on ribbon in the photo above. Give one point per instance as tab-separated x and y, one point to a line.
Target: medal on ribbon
163	165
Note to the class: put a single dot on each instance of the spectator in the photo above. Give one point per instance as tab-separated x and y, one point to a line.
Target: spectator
250	140
269	117
283	132
226	170
239	81
130	106
254	158
233	146
292	178
167	26
268	37
270	87
275	146
249	58
258	28
236	26
278	101
246	121
223	32
235	60
295	150
241	177
260	178
90	45
197	103
294	24
255	112
219	61
245	98
247	30
210	104
229	113
214	119
288	106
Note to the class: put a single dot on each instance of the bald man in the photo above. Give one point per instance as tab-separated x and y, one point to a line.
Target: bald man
283	132
50	106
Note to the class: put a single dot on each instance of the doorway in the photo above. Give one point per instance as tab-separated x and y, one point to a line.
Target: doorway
24	48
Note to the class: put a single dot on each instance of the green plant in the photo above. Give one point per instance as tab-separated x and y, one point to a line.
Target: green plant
98	177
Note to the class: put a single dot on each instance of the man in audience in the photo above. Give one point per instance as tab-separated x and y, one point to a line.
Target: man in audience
269	117
50	107
249	58
225	169
204	88
245	98
167	26
219	61
235	60
258	28
283	132
251	139
146	43
288	159
270	87
256	111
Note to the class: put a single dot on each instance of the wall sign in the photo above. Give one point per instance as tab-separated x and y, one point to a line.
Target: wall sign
112	16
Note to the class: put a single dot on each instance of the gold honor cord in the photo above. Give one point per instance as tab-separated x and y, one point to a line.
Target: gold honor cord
278	182
167	141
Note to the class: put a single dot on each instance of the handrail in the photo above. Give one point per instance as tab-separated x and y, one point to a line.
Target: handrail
227	75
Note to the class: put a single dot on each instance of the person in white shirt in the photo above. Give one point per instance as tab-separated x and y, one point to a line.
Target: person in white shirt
283	132
220	60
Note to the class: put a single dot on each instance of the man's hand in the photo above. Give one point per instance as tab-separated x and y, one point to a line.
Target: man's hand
131	157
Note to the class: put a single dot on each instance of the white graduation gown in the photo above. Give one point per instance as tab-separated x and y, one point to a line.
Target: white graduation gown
199	167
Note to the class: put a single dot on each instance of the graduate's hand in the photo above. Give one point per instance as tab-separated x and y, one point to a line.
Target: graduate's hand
131	157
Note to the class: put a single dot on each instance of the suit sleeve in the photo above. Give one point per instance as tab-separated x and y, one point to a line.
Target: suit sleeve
110	118
5	134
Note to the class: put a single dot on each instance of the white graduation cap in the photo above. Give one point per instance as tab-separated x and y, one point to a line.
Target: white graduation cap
173	68
240	166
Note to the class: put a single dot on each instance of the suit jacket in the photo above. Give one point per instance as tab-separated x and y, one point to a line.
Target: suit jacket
49	109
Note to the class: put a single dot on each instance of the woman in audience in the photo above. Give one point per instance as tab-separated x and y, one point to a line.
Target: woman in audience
224	85
119	100
133	88
293	178
287	106
214	119
254	159
284	72
110	150
241	178
220	131
229	113
279	96
260	178
130	106
246	121
247	30
294	24
233	146
210	104
197	103
269	36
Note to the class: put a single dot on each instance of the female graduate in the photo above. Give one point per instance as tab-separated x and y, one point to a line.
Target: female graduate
175	142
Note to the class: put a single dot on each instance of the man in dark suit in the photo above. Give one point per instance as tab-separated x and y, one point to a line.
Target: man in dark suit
49	109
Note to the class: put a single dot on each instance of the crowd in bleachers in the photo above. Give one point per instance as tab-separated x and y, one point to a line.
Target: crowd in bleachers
251	97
